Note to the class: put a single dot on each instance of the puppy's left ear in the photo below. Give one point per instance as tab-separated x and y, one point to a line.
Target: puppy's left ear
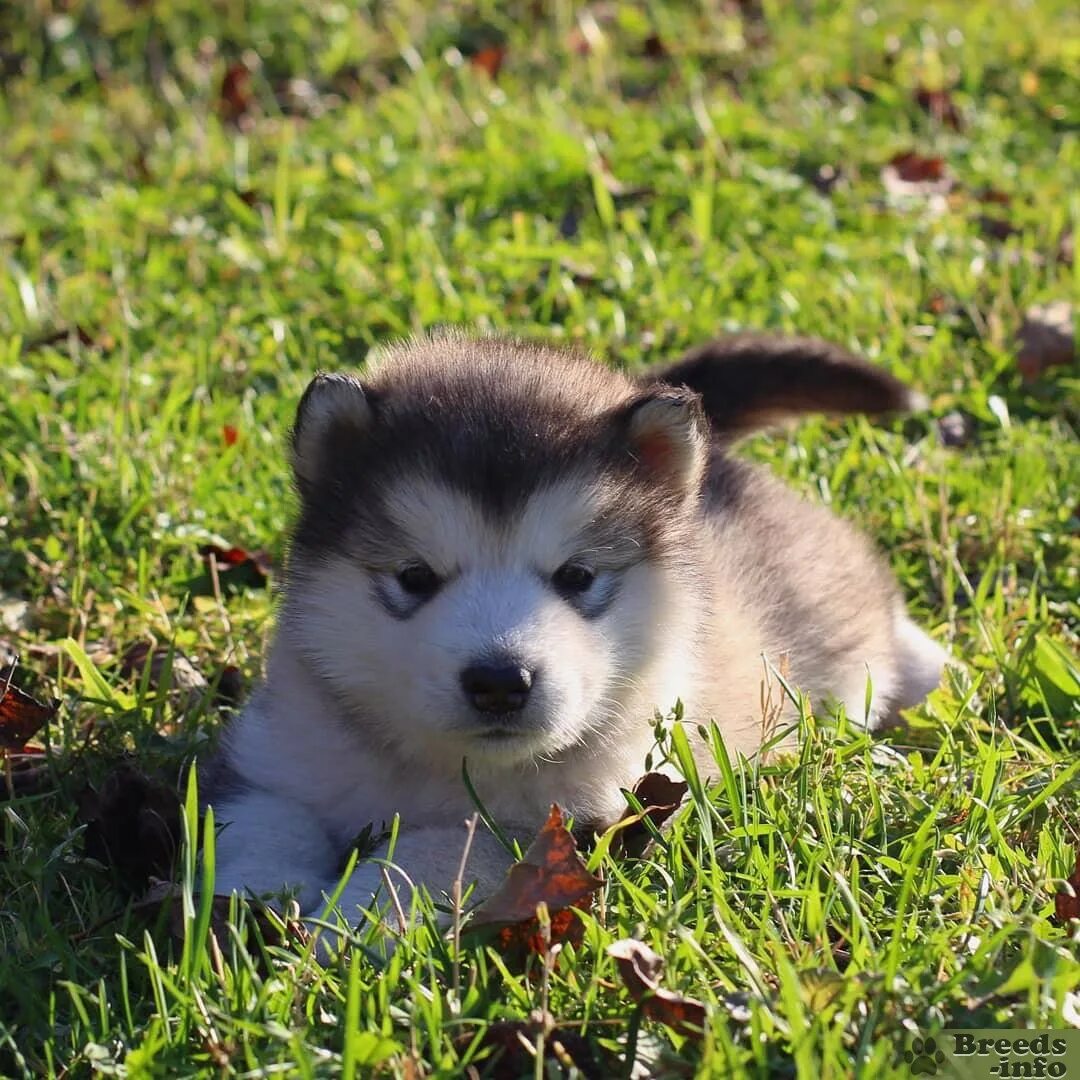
666	432
334	408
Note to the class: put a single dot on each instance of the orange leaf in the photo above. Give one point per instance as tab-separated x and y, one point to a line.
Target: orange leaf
551	873
21	716
489	59
234	101
254	564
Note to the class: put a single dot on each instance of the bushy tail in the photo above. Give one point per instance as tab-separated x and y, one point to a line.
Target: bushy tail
752	381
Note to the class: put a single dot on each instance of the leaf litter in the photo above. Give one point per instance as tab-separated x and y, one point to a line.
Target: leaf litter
21	715
550	873
640	969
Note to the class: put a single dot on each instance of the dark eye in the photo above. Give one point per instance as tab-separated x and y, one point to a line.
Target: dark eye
573	579
419	580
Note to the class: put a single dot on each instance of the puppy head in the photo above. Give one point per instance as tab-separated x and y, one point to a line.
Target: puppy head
495	554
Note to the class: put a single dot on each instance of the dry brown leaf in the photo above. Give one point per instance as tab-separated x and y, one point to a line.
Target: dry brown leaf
551	873
661	797
163	663
489	59
21	716
640	969
940	106
239	564
911	173
235	98
1066	904
938	303
1046	338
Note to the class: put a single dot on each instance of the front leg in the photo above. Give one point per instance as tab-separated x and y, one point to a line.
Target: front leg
430	857
269	845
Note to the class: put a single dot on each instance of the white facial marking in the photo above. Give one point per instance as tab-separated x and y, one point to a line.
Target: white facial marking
591	655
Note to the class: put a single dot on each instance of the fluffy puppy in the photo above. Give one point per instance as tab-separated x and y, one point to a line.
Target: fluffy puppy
513	556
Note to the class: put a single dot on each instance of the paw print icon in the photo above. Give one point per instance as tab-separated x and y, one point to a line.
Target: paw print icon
924	1057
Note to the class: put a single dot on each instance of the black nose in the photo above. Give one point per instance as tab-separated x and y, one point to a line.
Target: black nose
497	688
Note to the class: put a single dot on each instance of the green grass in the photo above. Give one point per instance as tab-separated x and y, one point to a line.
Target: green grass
166	274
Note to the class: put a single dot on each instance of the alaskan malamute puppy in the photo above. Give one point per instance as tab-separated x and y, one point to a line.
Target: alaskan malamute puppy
513	556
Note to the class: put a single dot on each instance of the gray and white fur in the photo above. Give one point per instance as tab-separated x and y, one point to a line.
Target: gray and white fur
513	555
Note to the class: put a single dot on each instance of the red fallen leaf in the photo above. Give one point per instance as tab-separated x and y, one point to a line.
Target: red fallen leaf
235	98
911	173
661	797
551	873
937	303
489	59
235	558
21	716
229	432
640	969
940	105
1046	339
1067	906
993	196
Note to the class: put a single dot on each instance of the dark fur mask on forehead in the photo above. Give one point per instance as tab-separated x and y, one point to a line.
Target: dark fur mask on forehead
495	432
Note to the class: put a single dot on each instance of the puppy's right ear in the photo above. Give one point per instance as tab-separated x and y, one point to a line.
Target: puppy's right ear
334	408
